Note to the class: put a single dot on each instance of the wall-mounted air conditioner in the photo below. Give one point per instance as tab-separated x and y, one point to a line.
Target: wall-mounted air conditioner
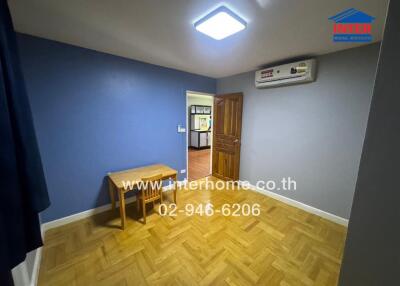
293	73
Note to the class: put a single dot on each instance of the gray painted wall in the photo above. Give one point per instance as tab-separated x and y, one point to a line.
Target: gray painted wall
311	132
372	252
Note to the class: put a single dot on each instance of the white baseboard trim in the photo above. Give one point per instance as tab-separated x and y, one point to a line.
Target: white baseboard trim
300	205
22	276
36	267
78	216
88	213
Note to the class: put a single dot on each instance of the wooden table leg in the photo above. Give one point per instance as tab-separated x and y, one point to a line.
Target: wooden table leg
111	191
122	208
175	188
144	210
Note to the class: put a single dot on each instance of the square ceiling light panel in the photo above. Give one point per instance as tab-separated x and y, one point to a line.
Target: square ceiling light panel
220	23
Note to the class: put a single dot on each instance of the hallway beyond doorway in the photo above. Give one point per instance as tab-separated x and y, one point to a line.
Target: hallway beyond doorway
199	163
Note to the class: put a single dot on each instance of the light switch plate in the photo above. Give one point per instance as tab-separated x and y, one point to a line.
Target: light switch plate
181	129
183	171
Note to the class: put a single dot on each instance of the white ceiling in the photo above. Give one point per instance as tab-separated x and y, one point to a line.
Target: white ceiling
161	31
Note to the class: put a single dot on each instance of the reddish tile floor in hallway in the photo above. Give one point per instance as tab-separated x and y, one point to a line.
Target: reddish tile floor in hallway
199	163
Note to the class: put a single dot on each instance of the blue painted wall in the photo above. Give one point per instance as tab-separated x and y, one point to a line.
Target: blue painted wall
95	113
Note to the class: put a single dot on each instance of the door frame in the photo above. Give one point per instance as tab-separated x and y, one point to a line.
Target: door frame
188	128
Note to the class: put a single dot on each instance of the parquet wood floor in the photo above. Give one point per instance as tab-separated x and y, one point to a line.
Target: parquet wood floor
283	246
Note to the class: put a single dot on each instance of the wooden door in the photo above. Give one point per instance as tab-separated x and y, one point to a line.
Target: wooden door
227	127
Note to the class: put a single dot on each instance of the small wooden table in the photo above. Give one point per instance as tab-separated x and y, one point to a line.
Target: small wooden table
134	176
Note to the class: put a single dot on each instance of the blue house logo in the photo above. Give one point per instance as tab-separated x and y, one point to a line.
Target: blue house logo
352	25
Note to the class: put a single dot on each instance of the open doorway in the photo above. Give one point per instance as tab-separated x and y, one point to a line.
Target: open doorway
199	111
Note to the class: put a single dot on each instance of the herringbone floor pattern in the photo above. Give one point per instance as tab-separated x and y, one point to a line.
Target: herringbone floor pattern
283	246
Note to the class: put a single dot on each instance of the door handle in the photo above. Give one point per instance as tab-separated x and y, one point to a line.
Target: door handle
236	141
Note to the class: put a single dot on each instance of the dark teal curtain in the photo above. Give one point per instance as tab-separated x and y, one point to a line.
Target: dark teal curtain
23	192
